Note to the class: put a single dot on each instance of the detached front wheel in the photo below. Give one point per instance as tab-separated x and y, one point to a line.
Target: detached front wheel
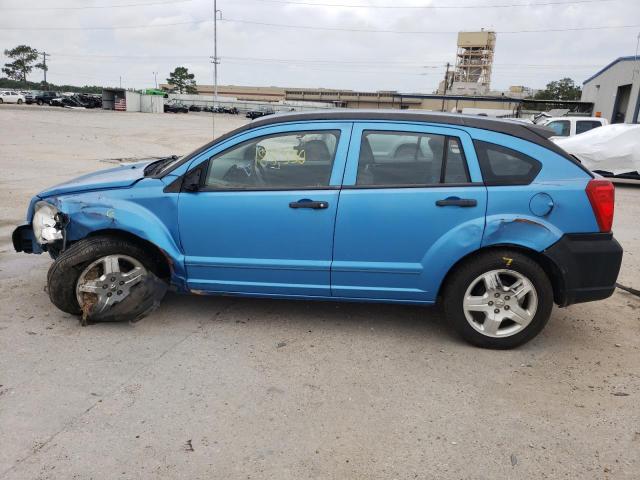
104	279
500	299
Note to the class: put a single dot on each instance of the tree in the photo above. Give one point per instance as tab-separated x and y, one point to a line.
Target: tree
182	80
563	89
24	58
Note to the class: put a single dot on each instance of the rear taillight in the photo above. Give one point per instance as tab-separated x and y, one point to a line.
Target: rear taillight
601	194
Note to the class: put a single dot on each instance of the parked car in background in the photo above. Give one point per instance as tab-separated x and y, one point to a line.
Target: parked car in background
29	98
253	114
45	97
175	107
611	151
11	97
570	126
486	217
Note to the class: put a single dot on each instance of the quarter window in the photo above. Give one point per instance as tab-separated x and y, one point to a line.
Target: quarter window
504	166
285	161
410	159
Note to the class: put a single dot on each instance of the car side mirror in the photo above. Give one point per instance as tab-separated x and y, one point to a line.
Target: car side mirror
191	181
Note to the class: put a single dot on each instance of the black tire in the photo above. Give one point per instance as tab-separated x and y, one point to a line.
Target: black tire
66	269
1	101
19	101
39	102
461	279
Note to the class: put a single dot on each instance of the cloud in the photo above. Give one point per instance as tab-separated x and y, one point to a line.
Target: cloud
335	59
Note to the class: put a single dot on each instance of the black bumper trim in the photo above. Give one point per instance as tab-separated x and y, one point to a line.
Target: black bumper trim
587	266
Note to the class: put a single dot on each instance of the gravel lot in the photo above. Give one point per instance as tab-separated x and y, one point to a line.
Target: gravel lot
236	388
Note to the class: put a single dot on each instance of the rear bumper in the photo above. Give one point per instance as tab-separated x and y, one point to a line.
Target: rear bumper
587	266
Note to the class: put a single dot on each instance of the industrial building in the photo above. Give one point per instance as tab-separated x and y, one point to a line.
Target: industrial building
240	92
615	91
473	66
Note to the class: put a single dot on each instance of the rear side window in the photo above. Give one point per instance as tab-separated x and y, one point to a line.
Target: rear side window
410	159
504	166
586	125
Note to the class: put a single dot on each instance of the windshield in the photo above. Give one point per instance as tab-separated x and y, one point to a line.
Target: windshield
168	165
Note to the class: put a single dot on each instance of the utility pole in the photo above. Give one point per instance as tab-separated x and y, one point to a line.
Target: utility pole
215	62
120	81
446	84
44	63
155	79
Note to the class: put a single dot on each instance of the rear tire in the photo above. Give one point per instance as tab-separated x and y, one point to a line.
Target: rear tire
19	101
39	102
498	299
65	271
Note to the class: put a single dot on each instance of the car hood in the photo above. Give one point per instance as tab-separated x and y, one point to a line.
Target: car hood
119	177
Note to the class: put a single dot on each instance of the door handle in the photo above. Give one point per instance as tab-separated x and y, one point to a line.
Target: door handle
457	202
306	203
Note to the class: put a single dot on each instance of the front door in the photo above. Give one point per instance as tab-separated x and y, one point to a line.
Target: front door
412	203
262	220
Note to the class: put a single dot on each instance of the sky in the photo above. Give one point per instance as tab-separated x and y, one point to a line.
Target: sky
400	45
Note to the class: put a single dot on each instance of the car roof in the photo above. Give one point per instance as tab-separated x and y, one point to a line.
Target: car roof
509	127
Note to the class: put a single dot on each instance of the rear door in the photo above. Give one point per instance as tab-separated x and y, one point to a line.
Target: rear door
412	204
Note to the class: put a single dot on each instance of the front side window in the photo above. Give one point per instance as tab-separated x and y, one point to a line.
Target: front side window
409	159
586	125
562	128
283	161
504	166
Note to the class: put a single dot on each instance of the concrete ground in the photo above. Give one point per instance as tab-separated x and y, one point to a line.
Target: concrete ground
254	389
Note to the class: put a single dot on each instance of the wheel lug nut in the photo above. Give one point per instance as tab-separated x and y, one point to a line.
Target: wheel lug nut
490	303
109	294
119	292
105	286
496	294
506	307
113	279
497	310
121	282
507	297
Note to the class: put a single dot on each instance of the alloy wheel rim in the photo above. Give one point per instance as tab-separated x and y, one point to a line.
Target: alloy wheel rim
108	280
500	303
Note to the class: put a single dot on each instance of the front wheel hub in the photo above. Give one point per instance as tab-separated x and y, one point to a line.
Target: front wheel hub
107	281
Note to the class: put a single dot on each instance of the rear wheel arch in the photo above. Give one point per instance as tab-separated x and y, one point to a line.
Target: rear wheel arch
550	268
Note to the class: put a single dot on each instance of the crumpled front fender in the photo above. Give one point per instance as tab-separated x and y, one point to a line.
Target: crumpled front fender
152	218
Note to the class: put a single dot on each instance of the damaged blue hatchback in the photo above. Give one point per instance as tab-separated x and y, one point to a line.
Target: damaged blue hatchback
487	217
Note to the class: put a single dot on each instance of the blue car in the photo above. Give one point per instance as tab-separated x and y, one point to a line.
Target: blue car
485	217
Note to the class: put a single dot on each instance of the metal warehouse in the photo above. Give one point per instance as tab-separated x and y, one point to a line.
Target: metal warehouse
615	90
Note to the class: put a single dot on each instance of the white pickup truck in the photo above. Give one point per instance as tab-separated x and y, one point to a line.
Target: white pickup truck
570	126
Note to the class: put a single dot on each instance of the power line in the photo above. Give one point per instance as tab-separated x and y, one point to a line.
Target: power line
333	29
433	7
371	62
121	27
422	32
93	7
